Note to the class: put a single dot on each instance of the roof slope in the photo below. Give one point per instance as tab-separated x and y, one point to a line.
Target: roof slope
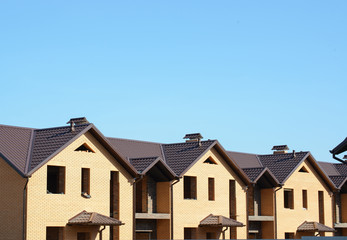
245	160
282	165
93	219
15	144
26	149
253	173
136	149
179	156
219	221
337	172
47	141
315	226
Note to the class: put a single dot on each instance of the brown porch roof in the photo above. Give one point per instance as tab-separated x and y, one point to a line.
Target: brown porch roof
314	226
93	218
219	221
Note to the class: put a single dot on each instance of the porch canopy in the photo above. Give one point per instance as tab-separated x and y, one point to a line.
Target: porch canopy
219	221
314	227
93	219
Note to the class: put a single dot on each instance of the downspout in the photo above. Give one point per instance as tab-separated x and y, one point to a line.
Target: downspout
171	190
334	209
275	201
247	213
223	231
134	204
100	232
25	190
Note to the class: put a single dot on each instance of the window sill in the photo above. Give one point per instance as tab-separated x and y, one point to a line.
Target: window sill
85	195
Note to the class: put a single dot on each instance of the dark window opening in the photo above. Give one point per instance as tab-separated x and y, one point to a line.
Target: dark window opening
321	206
232	207
54	233
210	161
304	199
85	186
84	148
289	198
55	179
114	203
211	189
211	235
83	236
189	233
189	187
289	235
303	170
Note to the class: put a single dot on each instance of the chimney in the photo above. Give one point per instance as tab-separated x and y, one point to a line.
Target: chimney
193	137
280	149
77	121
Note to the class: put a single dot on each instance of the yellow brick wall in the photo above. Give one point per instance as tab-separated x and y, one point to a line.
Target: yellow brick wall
11	202
288	220
189	213
56	209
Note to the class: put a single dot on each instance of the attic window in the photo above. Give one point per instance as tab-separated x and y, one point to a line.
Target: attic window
210	161
303	169
84	148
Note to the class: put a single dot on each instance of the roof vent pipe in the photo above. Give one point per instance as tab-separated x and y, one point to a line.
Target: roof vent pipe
294	154
76	121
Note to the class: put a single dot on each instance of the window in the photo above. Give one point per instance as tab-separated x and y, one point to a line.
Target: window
84	148
288	198
304	199
54	233
85	182
189	187
55	179
83	236
321	206
289	235
211	235
210	161
211	189
189	233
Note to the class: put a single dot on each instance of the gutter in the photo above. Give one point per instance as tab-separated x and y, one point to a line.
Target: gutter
338	159
171	189
275	201
25	203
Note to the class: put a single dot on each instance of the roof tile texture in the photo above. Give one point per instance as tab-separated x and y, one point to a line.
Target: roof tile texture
15	144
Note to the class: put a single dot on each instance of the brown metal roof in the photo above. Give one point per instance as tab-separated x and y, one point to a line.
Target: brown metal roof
94	219
314	226
136	149
180	156
49	140
219	221
245	160
14	145
27	149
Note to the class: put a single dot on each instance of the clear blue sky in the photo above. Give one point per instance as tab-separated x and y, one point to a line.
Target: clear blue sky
251	74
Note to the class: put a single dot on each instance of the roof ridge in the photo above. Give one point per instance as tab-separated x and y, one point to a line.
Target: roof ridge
51	128
10	126
209	140
135	158
279	154
30	151
133	140
242	152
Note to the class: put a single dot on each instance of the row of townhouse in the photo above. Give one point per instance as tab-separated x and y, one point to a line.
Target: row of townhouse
72	182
